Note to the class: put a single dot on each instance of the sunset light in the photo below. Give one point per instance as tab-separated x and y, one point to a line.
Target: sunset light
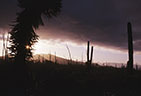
70	47
27	47
78	52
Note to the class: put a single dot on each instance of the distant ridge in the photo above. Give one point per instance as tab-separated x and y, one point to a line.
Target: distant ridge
50	57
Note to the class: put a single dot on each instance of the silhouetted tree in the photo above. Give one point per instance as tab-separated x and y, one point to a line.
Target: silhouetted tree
22	33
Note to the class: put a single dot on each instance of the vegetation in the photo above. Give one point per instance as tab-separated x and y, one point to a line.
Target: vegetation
50	79
22	34
130	46
30	78
89	60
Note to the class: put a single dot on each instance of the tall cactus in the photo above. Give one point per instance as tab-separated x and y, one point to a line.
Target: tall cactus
88	51
130	46
89	60
91	55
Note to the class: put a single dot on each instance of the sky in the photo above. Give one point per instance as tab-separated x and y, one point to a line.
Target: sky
102	22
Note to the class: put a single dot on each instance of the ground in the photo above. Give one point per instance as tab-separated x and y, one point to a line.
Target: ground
49	79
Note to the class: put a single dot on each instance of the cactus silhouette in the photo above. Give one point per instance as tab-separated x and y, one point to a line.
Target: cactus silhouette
89	60
88	51
91	55
130	46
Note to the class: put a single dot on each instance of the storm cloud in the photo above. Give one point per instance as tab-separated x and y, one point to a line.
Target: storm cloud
103	22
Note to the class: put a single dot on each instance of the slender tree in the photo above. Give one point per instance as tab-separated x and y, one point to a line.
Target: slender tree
23	34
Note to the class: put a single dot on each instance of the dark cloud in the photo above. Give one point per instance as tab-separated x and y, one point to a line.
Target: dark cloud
8	9
103	22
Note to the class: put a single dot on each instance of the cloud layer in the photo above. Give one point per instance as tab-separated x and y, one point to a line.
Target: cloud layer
103	22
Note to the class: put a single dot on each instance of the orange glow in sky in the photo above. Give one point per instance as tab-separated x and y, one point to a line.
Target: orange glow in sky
78	52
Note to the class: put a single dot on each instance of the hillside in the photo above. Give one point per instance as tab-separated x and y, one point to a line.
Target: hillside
50	57
49	79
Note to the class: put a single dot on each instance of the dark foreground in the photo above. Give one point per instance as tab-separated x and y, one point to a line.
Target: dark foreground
49	79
